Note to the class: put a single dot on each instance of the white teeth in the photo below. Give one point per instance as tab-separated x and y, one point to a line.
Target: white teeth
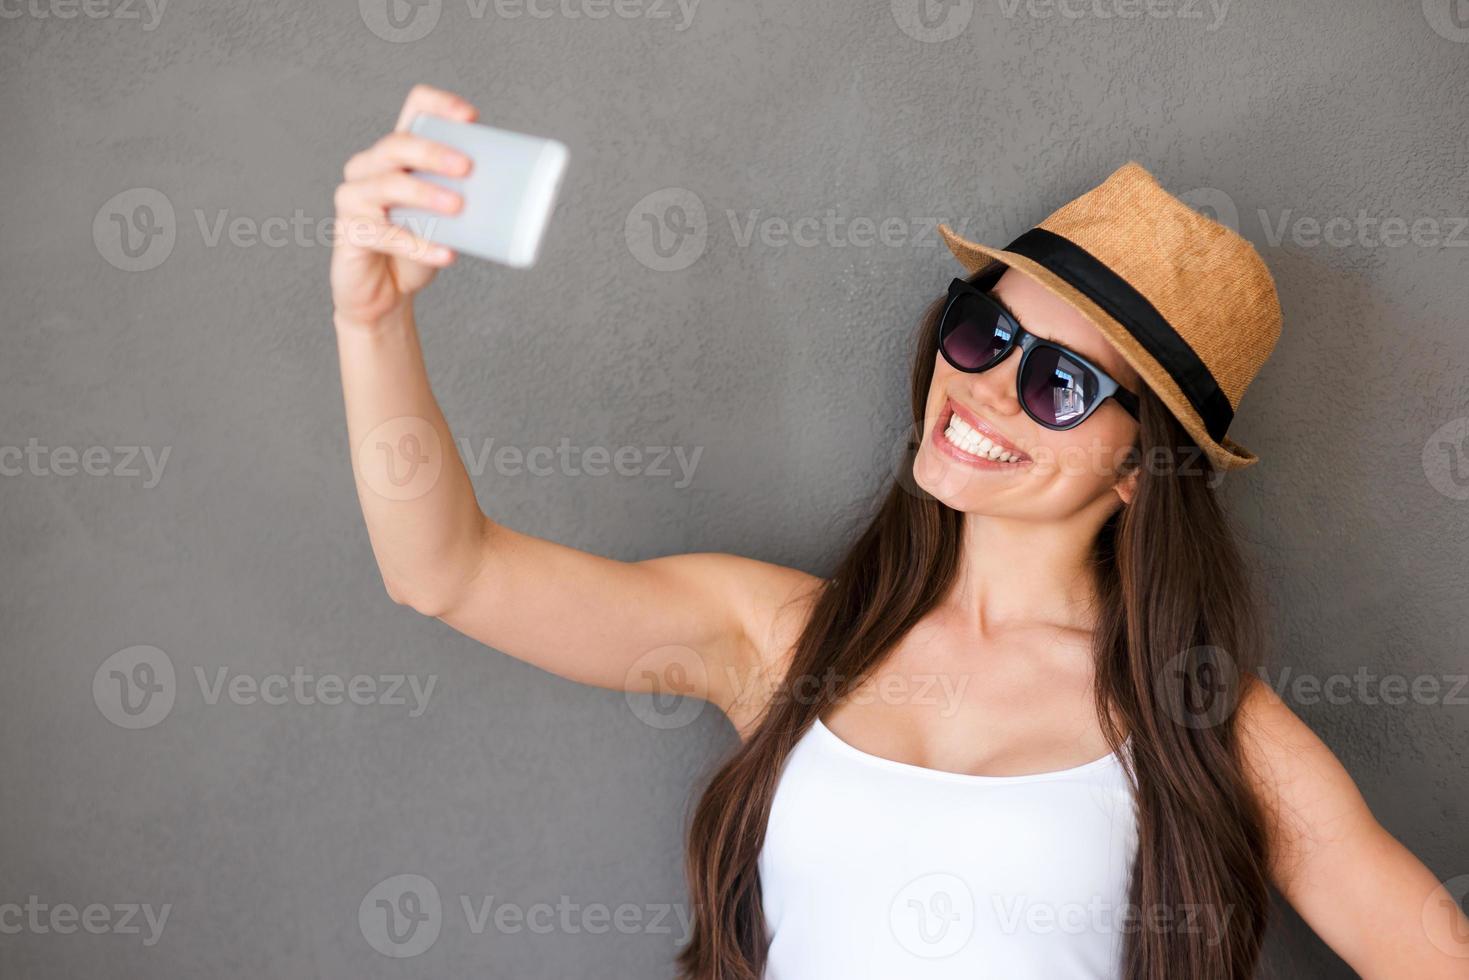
967	438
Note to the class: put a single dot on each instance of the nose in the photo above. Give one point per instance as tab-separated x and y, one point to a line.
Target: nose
996	390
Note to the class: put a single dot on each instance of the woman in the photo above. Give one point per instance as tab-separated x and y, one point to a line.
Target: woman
1017	732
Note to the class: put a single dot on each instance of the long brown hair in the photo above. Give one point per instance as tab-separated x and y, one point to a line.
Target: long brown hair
1177	637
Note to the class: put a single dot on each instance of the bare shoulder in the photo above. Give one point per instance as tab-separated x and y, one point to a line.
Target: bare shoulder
1309	797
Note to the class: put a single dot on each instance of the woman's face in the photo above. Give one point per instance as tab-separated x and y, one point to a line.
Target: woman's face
1059	472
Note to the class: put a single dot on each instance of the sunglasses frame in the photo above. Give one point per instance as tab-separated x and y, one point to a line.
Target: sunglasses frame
1107	386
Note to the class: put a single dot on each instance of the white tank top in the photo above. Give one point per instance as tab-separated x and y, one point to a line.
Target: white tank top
874	869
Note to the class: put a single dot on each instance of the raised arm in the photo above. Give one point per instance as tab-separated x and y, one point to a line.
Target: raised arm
716	622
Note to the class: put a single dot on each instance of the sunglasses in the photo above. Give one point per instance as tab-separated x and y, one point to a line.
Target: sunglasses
1057	387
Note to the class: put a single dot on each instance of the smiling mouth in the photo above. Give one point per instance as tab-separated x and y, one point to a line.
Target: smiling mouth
965	441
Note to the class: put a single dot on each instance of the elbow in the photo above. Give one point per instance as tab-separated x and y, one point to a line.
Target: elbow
425	602
438	587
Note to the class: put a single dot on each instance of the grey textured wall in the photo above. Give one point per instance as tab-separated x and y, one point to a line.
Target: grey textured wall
268	824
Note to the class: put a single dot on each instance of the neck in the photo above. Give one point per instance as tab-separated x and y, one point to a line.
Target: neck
1021	573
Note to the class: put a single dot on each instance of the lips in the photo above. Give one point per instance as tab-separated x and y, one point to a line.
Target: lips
963	435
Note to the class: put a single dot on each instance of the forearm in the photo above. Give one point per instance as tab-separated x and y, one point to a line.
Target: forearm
422	517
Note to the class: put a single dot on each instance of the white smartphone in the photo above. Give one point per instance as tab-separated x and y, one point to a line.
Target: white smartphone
508	194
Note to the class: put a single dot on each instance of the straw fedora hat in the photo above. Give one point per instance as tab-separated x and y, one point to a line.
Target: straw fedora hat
1186	300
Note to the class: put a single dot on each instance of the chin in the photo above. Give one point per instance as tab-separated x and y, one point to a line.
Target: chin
959	478
948	481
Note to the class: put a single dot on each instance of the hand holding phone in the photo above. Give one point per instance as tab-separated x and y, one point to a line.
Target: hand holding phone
508	194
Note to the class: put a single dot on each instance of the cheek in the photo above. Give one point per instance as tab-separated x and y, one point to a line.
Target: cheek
1118	430
942	372
1093	451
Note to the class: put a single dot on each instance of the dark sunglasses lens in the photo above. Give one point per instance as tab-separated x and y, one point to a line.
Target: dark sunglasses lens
973	333
1057	389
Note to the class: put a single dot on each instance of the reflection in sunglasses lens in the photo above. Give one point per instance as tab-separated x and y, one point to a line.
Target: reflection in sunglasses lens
1056	388
973	335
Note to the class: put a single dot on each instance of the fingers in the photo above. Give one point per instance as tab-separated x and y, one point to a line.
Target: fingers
376	179
435	102
378	235
362	208
374	195
400	150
